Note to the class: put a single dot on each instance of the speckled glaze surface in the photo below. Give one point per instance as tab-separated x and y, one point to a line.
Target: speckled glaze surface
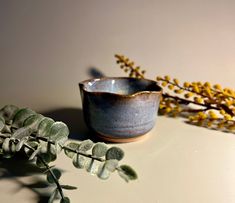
120	109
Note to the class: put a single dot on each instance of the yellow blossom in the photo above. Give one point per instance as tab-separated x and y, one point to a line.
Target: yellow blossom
212	115
227	117
198	100
186	84
179	91
176	81
217	87
188	95
158	78
164	84
207	84
167	78
171	87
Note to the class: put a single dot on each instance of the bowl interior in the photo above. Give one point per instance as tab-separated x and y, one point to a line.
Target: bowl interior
123	86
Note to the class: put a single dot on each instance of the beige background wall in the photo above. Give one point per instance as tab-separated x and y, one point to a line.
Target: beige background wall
48	46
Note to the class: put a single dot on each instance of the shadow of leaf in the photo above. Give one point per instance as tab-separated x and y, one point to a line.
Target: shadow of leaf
9	169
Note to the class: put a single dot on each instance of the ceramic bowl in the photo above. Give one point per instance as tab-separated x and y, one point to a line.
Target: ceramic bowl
120	109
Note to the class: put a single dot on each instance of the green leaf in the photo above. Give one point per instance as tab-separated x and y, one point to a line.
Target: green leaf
57	175
6	129
80	161
72	145
59	132
2	124
68	187
127	173
6	145
85	145
45	126
32	144
53	196
92	166
111	164
34	153
103	173
51	148
8	112
33	121
40	164
115	153
12	146
20	144
21	116
22	132
48	157
65	200
100	149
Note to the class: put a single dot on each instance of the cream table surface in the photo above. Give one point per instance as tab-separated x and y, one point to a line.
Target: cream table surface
176	163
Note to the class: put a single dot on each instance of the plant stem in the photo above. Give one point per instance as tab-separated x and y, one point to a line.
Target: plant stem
50	171
185	101
68	148
63	147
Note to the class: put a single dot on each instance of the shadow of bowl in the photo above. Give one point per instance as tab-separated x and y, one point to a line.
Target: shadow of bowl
73	118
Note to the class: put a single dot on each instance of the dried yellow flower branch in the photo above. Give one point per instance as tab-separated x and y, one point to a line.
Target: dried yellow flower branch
202	103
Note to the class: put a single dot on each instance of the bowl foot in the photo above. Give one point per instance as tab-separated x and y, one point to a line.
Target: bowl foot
120	140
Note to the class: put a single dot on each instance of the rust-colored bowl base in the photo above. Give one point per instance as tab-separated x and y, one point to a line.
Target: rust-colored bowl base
121	140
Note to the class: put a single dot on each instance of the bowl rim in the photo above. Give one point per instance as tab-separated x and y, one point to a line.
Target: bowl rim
84	82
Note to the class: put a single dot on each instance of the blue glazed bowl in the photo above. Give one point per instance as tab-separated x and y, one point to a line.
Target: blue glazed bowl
120	109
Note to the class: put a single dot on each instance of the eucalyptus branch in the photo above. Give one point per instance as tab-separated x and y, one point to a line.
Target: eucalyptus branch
67	148
42	139
49	170
55	180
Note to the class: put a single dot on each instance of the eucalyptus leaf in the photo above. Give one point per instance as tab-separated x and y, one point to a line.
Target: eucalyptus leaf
12	146
6	145
103	173
57	174
43	147
6	129
2	119
48	157
22	132
51	149
45	126
68	187
40	164
72	145
2	124
33	121
59	132
34	153
65	200
8	112
58	147
1	141
127	173
92	166
115	153
53	196
33	144
111	164
80	161
85	145
20	144
99	149
21	116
